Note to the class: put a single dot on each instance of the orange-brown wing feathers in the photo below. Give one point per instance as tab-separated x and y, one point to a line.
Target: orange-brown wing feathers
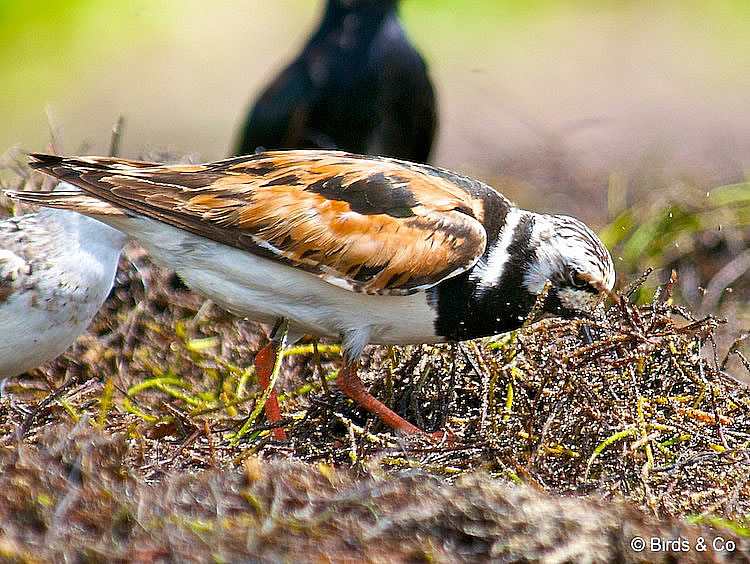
368	224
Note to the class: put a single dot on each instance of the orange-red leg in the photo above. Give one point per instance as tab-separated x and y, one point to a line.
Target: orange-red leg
349	383
264	363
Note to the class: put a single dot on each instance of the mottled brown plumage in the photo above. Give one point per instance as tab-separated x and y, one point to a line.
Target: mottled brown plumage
372	225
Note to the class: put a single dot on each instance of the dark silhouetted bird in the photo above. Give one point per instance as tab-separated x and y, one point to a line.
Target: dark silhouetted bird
358	85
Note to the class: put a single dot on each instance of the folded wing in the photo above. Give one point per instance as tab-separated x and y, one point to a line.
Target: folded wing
368	224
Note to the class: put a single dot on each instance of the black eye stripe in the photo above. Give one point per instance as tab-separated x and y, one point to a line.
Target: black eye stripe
589	288
575	280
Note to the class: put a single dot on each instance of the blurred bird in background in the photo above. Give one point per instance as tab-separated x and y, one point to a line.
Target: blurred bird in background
359	85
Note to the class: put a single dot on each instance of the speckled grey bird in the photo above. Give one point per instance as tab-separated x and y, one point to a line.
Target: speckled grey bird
56	269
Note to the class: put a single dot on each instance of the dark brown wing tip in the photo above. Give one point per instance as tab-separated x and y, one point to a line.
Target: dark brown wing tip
43	160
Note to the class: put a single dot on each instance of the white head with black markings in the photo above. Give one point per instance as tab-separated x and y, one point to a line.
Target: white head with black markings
570	255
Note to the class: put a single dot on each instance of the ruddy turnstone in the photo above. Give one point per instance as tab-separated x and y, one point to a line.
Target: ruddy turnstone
56	269
365	249
358	86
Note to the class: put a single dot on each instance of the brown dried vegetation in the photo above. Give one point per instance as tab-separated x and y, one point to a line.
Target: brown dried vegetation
630	425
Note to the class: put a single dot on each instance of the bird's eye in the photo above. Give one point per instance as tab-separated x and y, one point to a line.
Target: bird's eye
576	279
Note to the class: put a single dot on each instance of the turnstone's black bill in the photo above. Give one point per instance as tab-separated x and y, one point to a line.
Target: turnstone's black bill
358	85
366	249
56	269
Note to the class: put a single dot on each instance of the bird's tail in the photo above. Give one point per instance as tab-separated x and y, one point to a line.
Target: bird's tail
72	199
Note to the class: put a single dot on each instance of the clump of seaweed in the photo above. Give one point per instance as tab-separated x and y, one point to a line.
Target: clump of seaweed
644	411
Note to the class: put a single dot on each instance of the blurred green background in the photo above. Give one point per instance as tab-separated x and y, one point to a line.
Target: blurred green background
595	84
624	113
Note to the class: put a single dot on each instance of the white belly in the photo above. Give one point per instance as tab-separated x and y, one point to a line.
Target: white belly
31	334
264	290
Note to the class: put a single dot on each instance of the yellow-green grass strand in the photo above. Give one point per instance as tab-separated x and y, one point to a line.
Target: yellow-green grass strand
513	476
632	430
201	344
644	432
153	382
307	348
627	432
740	529
510	393
267	392
137	412
69	408
675	440
307	388
179	395
105	403
404	462
244	378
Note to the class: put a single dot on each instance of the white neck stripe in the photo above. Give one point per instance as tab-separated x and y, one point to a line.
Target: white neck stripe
490	272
